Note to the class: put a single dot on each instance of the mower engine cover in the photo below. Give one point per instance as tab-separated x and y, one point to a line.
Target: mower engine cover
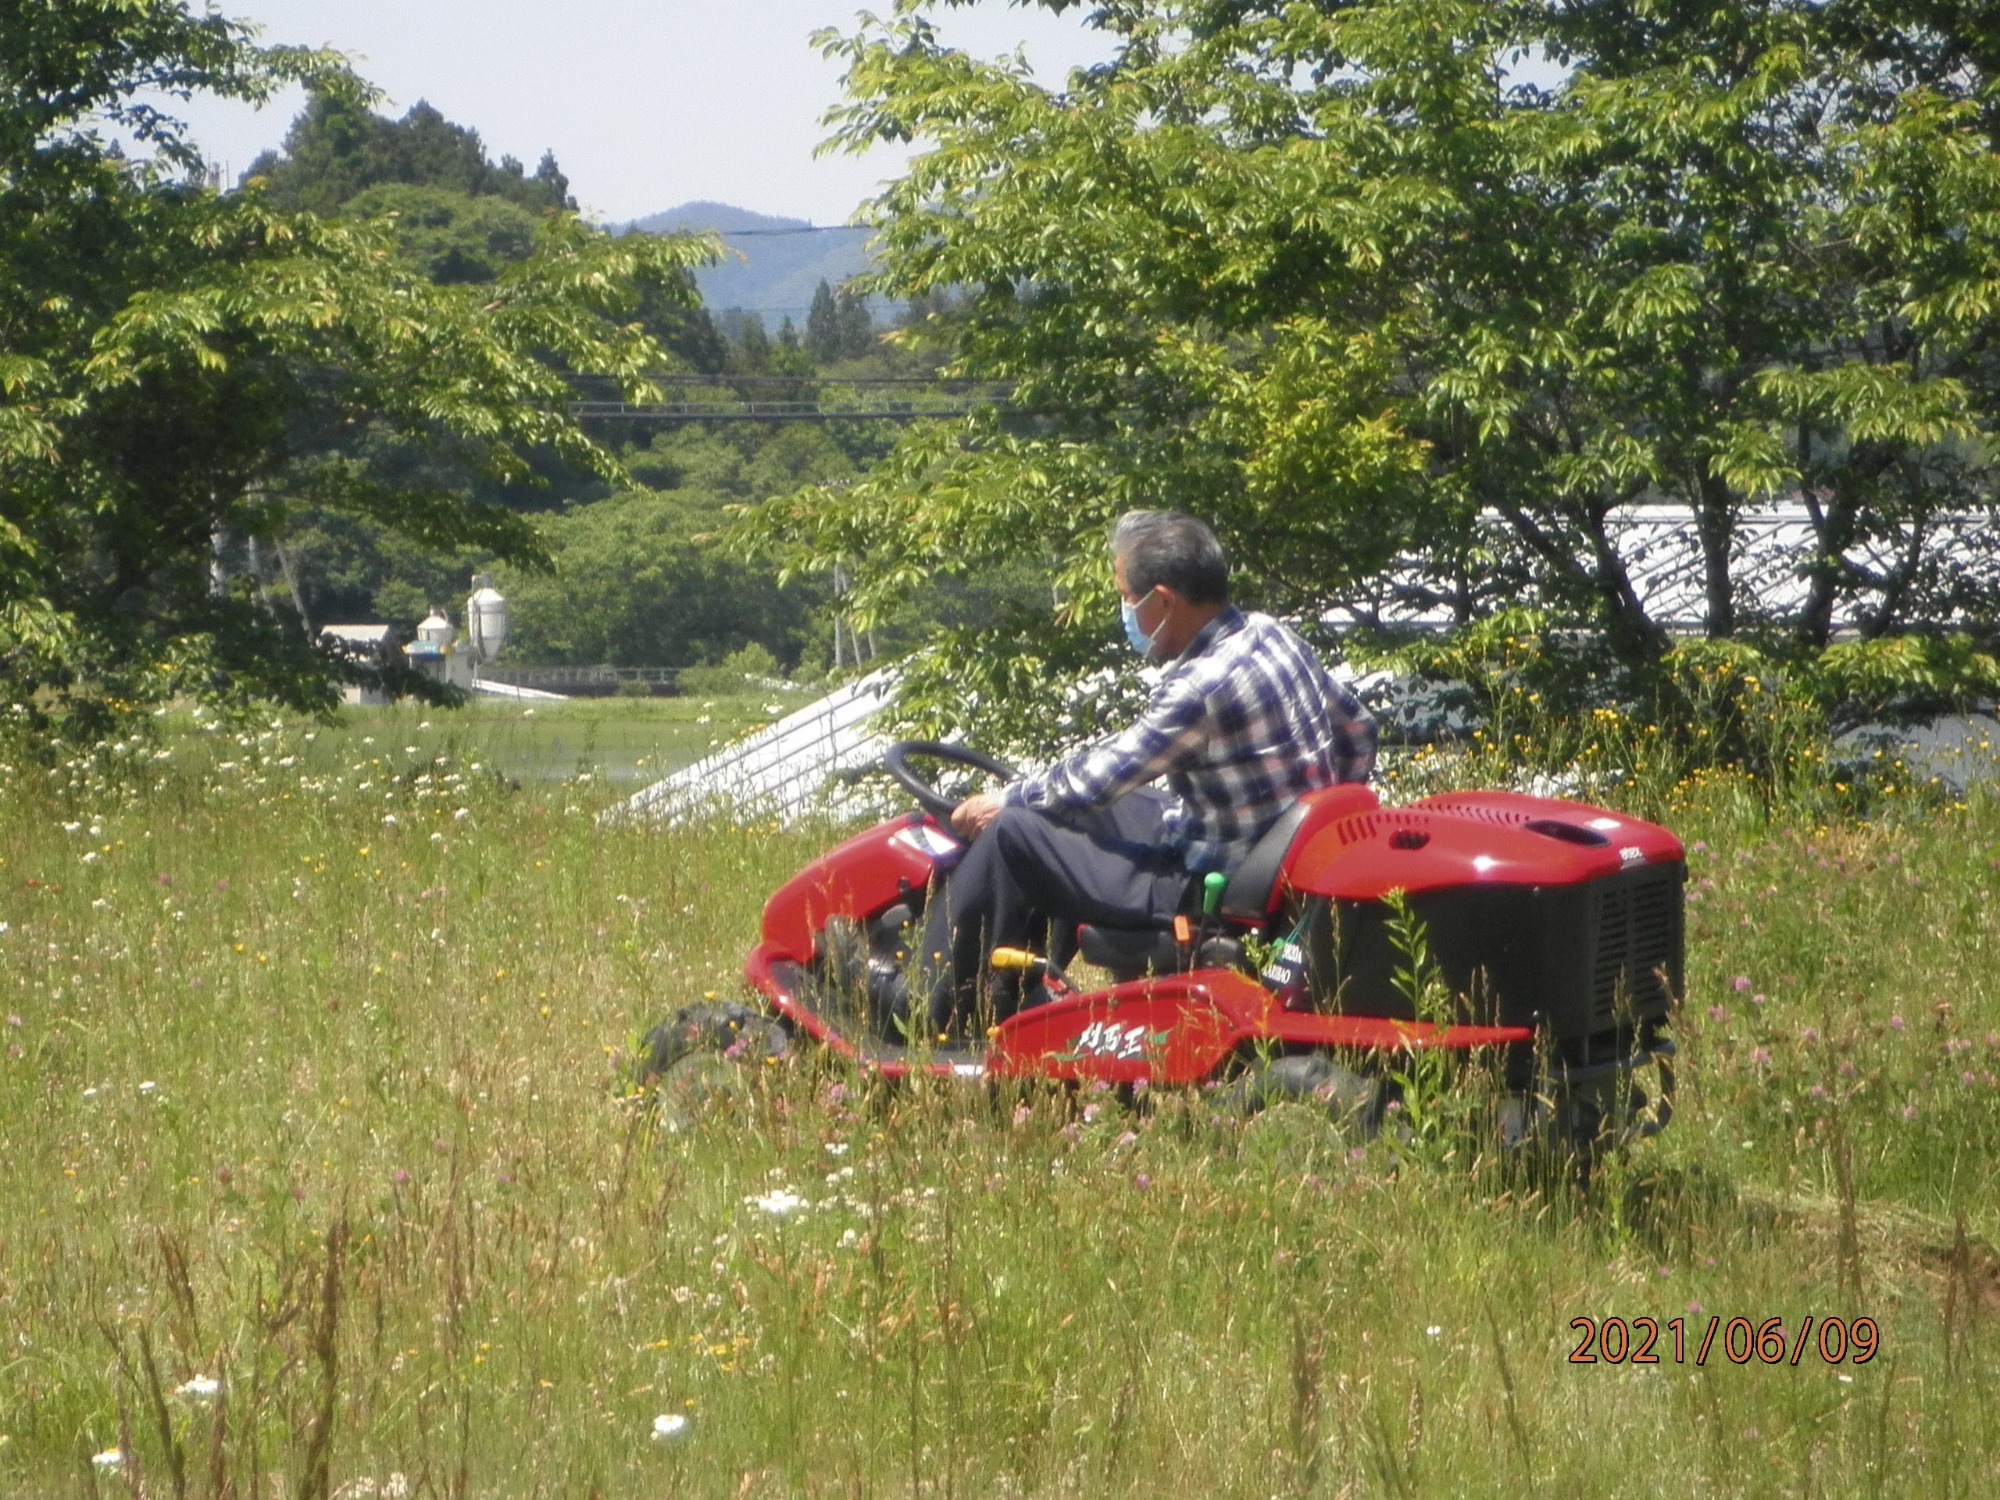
1538	912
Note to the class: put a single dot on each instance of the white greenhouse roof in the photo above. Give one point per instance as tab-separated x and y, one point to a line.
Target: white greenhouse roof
1662	553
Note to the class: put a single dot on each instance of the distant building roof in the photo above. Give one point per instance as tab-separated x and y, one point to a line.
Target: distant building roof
361	635
1661	549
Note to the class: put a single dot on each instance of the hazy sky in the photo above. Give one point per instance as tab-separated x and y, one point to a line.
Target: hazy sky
646	103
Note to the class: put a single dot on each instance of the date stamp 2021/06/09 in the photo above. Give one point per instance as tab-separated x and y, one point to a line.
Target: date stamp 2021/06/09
1648	1341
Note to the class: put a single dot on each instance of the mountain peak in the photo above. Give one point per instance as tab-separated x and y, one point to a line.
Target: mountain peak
719	218
775	264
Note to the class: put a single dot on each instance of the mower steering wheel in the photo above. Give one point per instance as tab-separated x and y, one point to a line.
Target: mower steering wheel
896	761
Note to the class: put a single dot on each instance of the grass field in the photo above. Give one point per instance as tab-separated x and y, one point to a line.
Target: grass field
312	1091
626	741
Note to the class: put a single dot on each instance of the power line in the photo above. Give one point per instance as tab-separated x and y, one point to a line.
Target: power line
951	384
765	411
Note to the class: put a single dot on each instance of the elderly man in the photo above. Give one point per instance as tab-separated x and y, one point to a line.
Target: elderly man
1244	721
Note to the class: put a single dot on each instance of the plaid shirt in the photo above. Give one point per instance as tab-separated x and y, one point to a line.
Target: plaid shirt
1244	723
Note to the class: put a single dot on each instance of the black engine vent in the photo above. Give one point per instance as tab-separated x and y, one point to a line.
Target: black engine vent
1569	833
1639	952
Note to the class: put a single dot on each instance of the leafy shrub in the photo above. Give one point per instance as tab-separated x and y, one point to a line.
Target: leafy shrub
742	670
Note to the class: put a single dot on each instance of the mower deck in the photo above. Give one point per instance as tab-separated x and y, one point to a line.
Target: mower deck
1172	1030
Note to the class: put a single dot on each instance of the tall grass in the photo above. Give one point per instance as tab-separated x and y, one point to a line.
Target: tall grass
329	1109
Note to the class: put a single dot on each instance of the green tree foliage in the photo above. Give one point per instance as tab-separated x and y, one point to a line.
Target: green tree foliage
451	237
459	220
338	148
1336	275
457	215
639	580
170	358
646	578
747	341
839	325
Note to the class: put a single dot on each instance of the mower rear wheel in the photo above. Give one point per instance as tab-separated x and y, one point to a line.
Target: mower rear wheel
1352	1100
705	1055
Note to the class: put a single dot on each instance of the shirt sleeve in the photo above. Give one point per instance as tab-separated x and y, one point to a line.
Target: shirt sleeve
1355	736
1172	732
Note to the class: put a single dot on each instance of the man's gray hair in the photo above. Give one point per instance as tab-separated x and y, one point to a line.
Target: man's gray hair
1167	547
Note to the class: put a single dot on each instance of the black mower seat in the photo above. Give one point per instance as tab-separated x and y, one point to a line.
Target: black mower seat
1253	892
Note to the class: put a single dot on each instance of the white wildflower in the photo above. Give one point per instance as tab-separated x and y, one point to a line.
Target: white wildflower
669	1425
779	1203
200	1388
110	1458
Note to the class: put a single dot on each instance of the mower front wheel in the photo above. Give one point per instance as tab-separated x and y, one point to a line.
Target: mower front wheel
705	1055
1352	1100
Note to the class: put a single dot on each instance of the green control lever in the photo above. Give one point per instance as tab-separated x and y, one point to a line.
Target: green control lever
1211	892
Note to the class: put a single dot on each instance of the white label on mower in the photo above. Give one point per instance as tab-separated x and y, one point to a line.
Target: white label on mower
932	843
1285	967
1632	854
1109	1039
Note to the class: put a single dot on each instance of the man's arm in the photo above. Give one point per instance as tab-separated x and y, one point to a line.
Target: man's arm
1170	733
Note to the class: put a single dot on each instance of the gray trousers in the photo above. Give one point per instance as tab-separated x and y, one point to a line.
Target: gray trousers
1030	878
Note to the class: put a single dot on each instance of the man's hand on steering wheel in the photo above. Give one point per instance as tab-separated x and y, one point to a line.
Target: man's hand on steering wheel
970	817
976	812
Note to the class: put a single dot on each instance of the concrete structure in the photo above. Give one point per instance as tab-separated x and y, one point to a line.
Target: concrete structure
372	645
437	652
440	652
796	768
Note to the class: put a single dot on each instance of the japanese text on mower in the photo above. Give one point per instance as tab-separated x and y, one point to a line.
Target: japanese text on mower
1109	1039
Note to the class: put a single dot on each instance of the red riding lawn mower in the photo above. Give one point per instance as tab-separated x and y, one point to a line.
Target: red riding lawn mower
1556	927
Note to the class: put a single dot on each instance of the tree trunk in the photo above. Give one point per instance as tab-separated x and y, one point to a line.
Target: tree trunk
1716	525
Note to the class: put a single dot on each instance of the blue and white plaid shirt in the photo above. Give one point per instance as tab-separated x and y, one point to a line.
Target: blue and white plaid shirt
1245	722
